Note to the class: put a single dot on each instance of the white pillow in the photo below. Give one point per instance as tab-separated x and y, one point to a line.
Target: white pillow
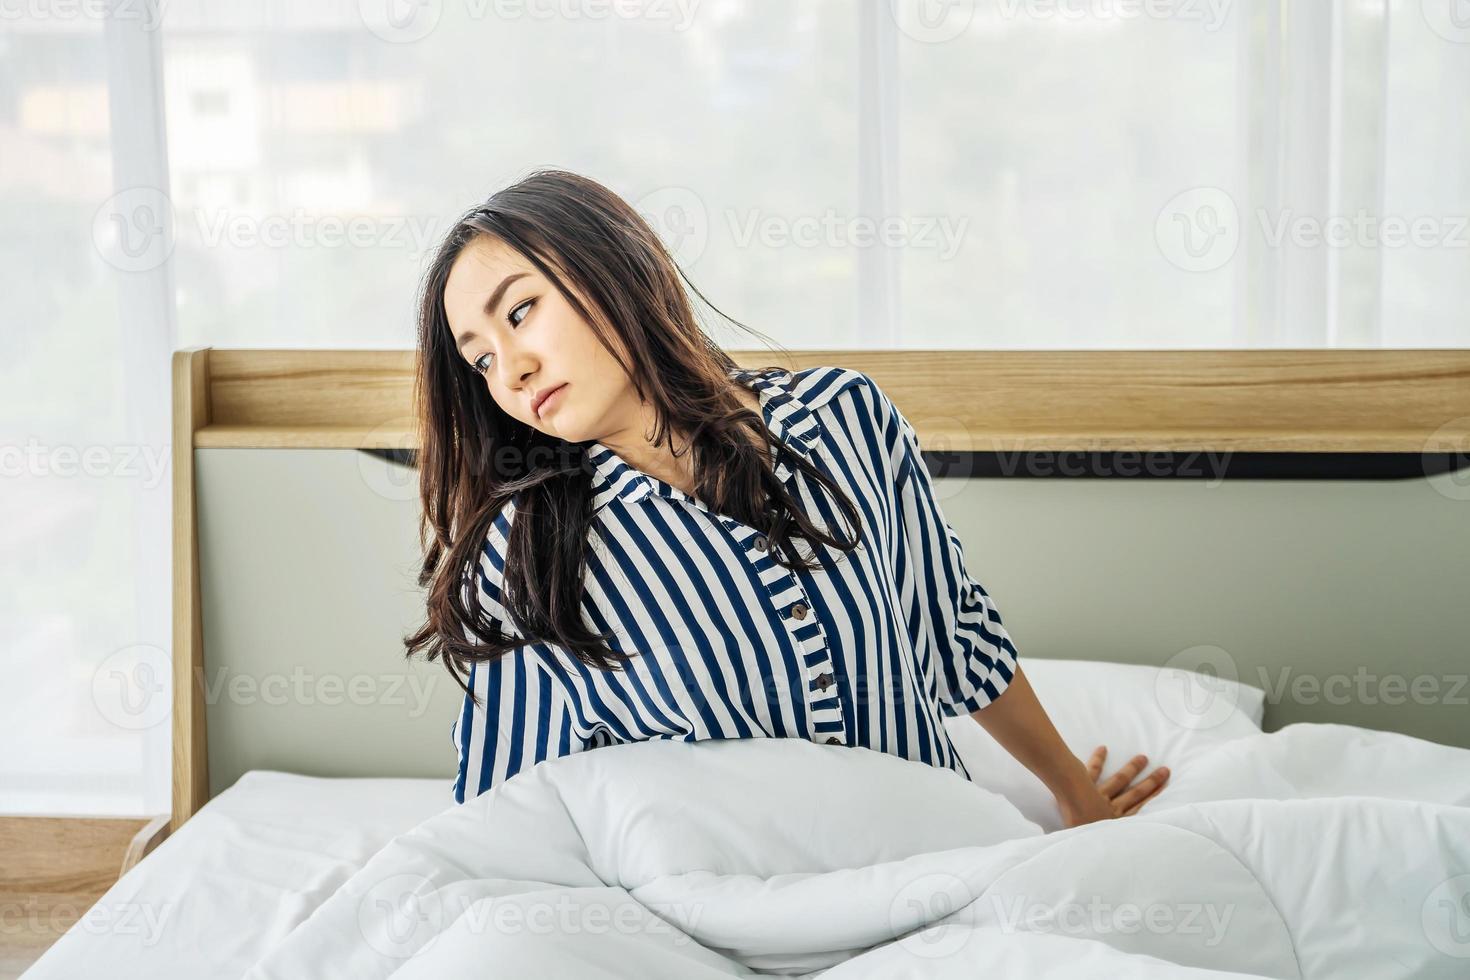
1169	714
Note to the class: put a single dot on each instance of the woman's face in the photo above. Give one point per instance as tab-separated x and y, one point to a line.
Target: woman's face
523	337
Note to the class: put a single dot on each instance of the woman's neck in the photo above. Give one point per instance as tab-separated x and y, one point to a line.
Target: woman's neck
661	463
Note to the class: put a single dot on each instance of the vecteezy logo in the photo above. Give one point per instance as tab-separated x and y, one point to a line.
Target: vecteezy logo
679	217
131	688
400	21
932	21
1445	917
1199	229
387	478
1452	438
1205	677
401	916
1450	19
133	230
922	908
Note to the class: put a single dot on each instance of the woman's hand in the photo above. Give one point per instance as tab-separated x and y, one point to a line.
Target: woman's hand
1018	722
1115	797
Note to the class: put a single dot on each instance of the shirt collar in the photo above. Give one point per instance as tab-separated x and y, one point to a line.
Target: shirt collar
790	419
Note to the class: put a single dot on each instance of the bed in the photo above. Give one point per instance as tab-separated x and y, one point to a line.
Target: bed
292	856
653	860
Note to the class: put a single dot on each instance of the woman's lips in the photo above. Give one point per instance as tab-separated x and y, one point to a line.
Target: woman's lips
549	402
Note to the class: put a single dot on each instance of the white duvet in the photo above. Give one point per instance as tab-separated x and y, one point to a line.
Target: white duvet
1315	851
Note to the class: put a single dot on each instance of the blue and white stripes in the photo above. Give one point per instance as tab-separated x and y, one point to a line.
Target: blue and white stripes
872	649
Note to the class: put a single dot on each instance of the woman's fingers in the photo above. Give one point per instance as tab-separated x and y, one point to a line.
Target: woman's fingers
1126	799
1120	779
1095	763
1134	797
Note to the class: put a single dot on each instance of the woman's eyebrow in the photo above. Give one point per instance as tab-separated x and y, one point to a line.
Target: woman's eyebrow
491	305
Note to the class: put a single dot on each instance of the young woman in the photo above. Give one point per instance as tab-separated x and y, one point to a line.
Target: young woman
630	537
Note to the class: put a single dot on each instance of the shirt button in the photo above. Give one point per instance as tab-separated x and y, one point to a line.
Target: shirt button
760	543
824	681
798	611
834	740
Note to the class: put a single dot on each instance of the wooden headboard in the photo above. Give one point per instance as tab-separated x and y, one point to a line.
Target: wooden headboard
1258	401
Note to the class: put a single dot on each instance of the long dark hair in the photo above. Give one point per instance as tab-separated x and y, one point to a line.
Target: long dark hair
473	458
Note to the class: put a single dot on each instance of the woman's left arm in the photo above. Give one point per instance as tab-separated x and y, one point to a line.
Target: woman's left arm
976	656
1018	722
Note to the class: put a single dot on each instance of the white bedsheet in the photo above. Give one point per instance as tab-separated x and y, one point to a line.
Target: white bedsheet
247	869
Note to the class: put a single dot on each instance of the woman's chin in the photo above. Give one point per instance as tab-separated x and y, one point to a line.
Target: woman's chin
559	425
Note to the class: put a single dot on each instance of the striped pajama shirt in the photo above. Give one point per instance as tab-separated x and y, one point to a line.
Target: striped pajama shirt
872	649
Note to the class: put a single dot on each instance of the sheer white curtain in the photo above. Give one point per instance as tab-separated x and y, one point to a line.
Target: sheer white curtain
1187	173
834	173
86	326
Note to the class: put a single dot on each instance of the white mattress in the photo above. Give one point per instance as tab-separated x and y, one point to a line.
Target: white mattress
242	873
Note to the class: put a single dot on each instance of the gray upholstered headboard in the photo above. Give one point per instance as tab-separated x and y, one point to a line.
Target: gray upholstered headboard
308	562
308	586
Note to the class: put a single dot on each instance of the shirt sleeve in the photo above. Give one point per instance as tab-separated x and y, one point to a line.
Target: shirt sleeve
976	659
523	716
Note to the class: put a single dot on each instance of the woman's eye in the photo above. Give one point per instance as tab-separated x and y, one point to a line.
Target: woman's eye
523	306
478	364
